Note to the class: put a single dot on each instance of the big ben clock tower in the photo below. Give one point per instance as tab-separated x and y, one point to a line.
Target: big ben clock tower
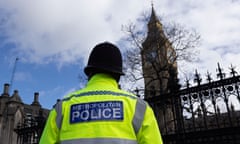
158	59
159	71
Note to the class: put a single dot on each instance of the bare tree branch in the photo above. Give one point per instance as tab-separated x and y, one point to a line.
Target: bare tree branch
183	40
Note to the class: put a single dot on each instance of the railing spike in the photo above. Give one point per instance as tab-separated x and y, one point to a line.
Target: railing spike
187	83
233	71
209	78
197	78
220	73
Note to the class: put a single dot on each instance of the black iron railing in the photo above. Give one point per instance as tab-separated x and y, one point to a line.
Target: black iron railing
205	113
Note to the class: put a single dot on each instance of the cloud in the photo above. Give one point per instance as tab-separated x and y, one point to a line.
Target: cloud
217	21
62	31
218	24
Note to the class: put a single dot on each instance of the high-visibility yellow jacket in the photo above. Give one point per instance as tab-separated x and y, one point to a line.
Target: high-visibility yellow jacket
101	113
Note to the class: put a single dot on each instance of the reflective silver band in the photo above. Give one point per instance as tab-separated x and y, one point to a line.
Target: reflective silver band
139	115
103	92
59	117
99	141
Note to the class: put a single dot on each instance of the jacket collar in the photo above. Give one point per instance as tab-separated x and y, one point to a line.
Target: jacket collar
102	81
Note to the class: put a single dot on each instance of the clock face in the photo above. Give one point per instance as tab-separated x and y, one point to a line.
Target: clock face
151	56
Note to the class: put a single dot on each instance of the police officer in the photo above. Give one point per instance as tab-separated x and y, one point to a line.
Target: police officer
101	113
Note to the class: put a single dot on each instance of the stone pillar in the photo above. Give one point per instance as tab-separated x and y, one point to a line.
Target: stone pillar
35	101
6	89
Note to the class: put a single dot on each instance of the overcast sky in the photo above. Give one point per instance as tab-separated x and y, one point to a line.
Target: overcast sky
52	38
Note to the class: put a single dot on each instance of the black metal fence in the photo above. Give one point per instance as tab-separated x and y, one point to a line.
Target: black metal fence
206	113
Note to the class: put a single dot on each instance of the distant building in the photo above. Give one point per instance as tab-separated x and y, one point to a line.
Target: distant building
20	122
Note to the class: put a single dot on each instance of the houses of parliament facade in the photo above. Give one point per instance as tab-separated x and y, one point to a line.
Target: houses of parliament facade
20	123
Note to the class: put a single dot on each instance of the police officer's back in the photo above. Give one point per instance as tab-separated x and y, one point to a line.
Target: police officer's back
101	113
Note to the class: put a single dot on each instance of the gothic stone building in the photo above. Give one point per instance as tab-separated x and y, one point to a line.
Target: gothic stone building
19	122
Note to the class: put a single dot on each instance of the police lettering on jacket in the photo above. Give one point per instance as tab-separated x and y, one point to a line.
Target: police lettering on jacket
97	111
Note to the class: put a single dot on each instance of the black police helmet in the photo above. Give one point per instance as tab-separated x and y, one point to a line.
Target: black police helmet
105	57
